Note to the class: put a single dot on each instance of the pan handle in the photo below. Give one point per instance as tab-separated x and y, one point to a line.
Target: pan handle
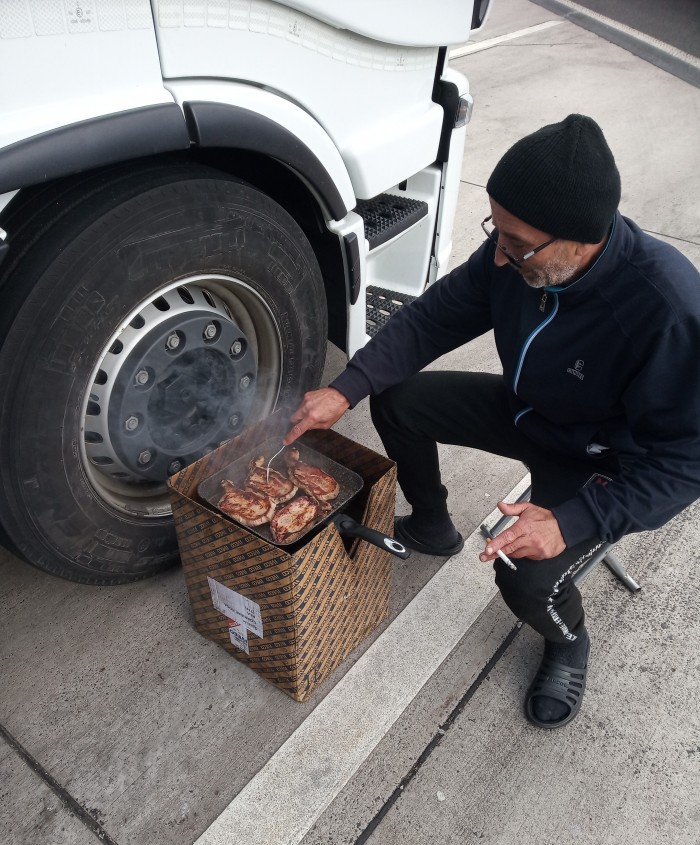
347	525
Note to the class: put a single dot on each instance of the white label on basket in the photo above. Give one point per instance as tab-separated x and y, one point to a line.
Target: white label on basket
238	634
237	607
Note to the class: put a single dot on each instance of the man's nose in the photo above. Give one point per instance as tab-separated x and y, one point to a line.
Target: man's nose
499	258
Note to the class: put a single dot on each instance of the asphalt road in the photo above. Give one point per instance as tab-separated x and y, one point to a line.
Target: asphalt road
676	22
663	32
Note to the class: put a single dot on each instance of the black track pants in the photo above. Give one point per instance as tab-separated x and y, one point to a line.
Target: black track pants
471	409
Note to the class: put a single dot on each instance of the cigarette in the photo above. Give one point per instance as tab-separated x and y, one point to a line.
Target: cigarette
506	560
486	532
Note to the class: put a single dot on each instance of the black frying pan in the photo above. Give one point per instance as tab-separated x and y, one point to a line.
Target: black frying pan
350	485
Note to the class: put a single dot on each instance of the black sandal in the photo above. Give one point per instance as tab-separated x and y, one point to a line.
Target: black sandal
563	683
402	534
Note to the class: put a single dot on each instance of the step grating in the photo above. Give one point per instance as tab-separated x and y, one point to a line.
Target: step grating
382	304
386	216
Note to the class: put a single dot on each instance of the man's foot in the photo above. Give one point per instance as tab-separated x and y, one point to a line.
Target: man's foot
556	693
442	541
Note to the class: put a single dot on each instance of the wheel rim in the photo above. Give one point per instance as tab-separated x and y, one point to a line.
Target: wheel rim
187	369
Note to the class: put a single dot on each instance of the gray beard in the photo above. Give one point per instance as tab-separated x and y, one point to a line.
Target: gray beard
555	273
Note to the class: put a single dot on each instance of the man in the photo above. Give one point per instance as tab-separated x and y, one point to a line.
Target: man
597	326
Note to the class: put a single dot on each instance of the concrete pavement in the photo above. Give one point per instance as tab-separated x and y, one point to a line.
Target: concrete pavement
461	764
161	738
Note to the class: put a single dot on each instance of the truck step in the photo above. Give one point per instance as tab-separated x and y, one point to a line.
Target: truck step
387	215
382	305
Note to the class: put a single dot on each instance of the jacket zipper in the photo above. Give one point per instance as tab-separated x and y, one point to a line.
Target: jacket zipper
533	334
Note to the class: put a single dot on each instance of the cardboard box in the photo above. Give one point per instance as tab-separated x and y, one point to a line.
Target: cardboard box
292	614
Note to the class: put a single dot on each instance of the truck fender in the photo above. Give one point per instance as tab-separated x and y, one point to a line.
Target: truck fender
226	114
93	143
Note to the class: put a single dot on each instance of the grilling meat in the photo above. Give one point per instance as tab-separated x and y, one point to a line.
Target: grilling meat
277	487
292	519
246	506
311	479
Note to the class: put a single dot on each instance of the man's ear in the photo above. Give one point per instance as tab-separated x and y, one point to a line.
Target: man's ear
584	252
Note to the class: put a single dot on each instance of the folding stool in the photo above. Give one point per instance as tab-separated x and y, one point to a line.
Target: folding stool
605	554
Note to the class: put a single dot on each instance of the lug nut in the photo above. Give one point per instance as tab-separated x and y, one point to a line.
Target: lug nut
173	341
141	377
145	457
210	331
174	467
132	423
236	347
245	382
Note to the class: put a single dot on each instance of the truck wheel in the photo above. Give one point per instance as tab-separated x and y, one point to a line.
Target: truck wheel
150	316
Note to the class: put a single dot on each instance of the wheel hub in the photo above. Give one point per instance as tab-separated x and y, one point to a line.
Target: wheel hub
176	382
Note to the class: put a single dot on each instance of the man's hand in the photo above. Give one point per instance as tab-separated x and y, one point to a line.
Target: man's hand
535	534
319	409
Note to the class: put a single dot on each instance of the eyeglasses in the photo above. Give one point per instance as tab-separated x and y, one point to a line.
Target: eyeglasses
516	262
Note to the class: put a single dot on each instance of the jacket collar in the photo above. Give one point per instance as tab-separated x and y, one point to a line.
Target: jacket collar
603	264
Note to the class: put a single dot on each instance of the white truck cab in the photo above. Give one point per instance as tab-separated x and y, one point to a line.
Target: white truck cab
195	196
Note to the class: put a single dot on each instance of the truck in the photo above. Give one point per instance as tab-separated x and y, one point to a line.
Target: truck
196	196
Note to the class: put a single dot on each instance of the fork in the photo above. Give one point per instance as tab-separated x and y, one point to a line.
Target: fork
267	479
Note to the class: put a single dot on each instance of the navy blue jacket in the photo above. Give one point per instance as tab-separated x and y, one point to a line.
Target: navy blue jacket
613	360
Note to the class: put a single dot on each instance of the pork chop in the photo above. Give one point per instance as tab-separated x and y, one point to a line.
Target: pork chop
292	519
246	506
276	486
311	479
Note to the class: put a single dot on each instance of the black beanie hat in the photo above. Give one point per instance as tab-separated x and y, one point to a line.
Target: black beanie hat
562	180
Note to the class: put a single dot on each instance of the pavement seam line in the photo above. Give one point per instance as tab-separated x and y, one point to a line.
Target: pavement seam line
440	734
672	237
68	801
283	801
477	46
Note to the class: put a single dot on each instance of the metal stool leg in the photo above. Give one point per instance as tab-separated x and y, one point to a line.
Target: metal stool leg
591	564
604	554
614	564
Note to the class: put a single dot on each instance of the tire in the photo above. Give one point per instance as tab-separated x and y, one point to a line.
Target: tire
149	316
